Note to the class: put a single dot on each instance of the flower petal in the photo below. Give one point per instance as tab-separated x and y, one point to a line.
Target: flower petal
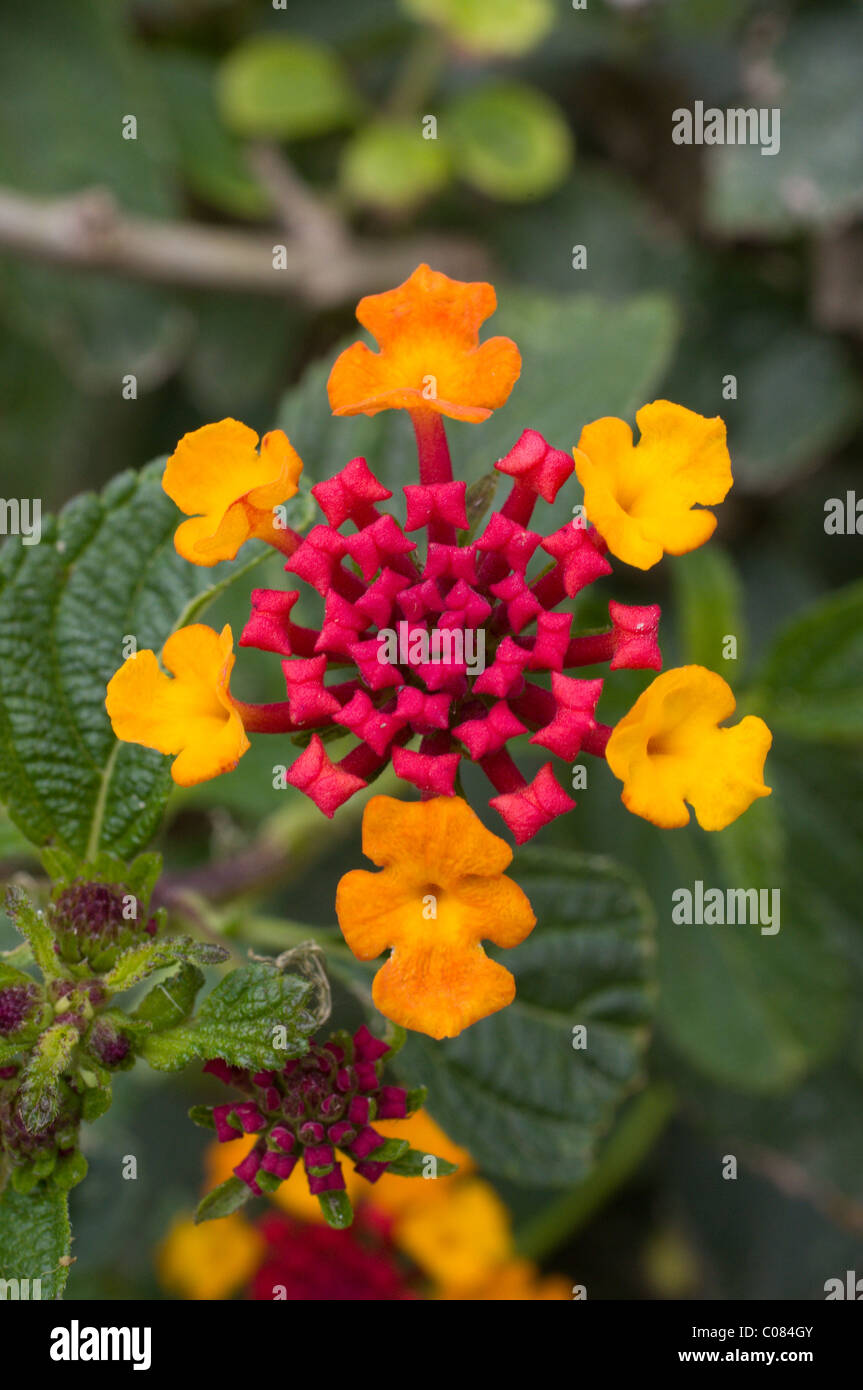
641	498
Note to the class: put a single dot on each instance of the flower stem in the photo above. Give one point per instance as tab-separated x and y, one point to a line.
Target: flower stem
432	447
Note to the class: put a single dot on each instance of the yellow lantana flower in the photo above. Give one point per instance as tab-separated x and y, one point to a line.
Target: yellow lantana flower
217	477
642	498
192	714
430	355
459	1241
442	890
209	1261
669	750
516	1281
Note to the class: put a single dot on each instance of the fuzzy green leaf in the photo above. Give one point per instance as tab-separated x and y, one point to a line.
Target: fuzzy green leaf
40	1088
228	1197
34	1237
240	1021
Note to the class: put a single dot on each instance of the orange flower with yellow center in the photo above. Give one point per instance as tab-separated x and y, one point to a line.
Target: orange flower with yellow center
440	892
191	715
642	498
669	750
430	355
229	490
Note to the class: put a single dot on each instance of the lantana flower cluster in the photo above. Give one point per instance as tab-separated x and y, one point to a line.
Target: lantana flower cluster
446	592
318	1105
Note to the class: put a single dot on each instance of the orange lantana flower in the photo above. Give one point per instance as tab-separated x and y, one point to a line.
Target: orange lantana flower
217	477
192	715
642	498
430	355
669	750
442	890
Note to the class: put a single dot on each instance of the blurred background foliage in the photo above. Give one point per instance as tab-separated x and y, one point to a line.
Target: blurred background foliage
303	124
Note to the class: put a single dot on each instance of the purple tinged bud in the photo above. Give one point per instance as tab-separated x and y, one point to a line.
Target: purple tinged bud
371	1171
319	1156
341	1134
264	1078
272	1099
392	1103
368	1047
280	1165
246	1170
326	1182
282	1138
16	1003
365	1143
367	1077
108	1044
359	1110
345	1079
311	1132
225	1130
216	1067
250	1117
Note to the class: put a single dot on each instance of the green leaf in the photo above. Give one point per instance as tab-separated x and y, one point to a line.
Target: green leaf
798	395
138	962
202	1115
414	1163
34	928
106	569
211	159
337	1210
390	165
709	605
504	28
172	999
238	1022
39	1094
817	177
228	1197
284	88
812	682
750	1010
509	141
34	1237
514	1087
100	326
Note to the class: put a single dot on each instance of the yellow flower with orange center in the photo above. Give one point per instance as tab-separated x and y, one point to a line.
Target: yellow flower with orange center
440	892
229	490
648	499
211	1260
430	355
669	750
191	715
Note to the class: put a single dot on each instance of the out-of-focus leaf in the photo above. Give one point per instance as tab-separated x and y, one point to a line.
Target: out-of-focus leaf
812	682
211	159
796	392
284	87
54	142
390	165
709	607
509	141
813	77
488	27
